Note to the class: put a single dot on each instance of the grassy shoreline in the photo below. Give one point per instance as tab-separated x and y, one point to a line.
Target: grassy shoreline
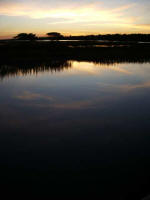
15	53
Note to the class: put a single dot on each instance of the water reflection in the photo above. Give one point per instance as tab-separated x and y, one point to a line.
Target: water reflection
57	65
87	124
33	68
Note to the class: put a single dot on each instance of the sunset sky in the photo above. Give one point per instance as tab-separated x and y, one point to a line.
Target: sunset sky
74	17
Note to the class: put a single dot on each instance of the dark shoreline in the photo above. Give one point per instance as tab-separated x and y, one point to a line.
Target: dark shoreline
55	56
71	50
103	37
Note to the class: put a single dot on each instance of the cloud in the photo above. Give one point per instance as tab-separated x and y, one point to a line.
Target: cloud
72	15
143	26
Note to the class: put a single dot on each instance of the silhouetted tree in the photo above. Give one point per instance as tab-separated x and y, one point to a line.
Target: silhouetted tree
26	36
54	35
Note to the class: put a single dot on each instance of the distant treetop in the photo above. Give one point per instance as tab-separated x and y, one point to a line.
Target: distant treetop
54	34
26	36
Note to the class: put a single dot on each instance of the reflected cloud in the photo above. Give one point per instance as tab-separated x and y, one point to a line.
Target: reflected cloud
123	88
26	95
89	68
136	86
74	105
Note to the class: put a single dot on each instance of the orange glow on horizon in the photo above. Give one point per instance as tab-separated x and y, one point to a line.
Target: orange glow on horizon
71	19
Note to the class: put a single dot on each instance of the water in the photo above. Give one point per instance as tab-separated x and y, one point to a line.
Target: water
77	125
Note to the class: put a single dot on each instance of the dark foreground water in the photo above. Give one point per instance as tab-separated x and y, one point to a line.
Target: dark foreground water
82	129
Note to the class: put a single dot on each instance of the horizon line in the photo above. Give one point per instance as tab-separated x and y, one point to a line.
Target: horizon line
3	37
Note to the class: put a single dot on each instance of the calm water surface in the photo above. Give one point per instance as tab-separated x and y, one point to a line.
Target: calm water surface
84	124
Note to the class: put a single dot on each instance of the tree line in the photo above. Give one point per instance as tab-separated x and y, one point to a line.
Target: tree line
106	37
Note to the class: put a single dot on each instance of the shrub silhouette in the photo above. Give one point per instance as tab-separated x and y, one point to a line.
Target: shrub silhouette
26	36
54	35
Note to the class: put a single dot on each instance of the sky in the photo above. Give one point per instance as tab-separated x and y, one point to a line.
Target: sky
74	17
